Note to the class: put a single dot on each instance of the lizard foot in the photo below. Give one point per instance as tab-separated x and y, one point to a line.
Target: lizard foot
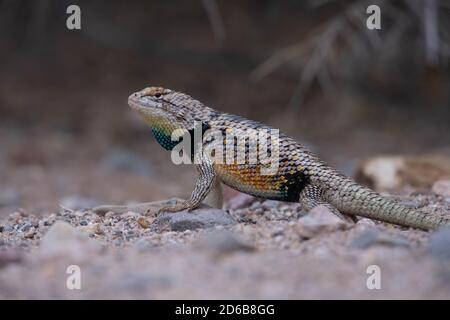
185	205
145	208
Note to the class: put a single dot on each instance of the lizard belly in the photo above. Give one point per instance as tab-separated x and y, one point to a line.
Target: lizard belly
248	179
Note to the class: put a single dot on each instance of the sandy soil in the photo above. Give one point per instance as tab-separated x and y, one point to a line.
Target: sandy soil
252	249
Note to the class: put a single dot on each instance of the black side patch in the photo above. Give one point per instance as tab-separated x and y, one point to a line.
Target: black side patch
296	182
205	126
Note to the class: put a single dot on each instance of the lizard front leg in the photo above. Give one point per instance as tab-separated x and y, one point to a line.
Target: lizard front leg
205	181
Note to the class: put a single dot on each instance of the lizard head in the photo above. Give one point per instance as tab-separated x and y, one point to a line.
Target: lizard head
157	104
165	110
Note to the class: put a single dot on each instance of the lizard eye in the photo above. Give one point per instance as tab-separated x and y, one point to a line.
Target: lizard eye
158	95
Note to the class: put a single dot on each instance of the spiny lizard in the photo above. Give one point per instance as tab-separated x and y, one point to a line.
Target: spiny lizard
300	177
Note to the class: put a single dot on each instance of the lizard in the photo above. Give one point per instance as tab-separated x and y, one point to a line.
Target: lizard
300	175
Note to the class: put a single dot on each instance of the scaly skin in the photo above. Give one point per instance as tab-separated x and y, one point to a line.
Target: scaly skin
301	175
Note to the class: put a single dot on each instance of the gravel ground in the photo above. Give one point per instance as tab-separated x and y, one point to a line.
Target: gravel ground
254	250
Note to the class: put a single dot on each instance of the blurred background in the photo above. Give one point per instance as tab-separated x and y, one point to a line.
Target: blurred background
311	68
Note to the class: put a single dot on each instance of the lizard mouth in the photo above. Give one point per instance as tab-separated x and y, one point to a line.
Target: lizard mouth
141	102
133	101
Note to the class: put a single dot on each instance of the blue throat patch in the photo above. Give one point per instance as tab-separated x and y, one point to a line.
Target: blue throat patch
164	140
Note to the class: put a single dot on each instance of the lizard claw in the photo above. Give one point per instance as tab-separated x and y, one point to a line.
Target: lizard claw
175	208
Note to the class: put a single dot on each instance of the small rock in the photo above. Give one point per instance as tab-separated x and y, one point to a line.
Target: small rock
366	222
144	245
439	244
223	242
240	201
63	239
25	227
15	217
93	228
198	218
122	160
109	215
30	233
374	237
117	232
83	223
8	229
131	215
271	204
442	188
397	172
143	222
319	219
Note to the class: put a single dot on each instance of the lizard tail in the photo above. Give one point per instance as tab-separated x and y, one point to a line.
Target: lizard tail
354	199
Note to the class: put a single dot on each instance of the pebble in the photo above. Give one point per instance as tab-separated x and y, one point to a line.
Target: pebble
15	217
64	239
93	228
198	218
223	242
30	233
240	201
442	188
366	222
373	237
319	220
8	229
25	227
144	244
143	222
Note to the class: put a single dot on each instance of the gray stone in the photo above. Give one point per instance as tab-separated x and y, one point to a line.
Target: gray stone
320	219
223	242
442	188
198	218
144	244
8	229
63	239
240	201
439	244
373	237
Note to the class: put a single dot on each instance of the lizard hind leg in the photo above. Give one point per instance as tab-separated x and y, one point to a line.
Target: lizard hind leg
312	196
